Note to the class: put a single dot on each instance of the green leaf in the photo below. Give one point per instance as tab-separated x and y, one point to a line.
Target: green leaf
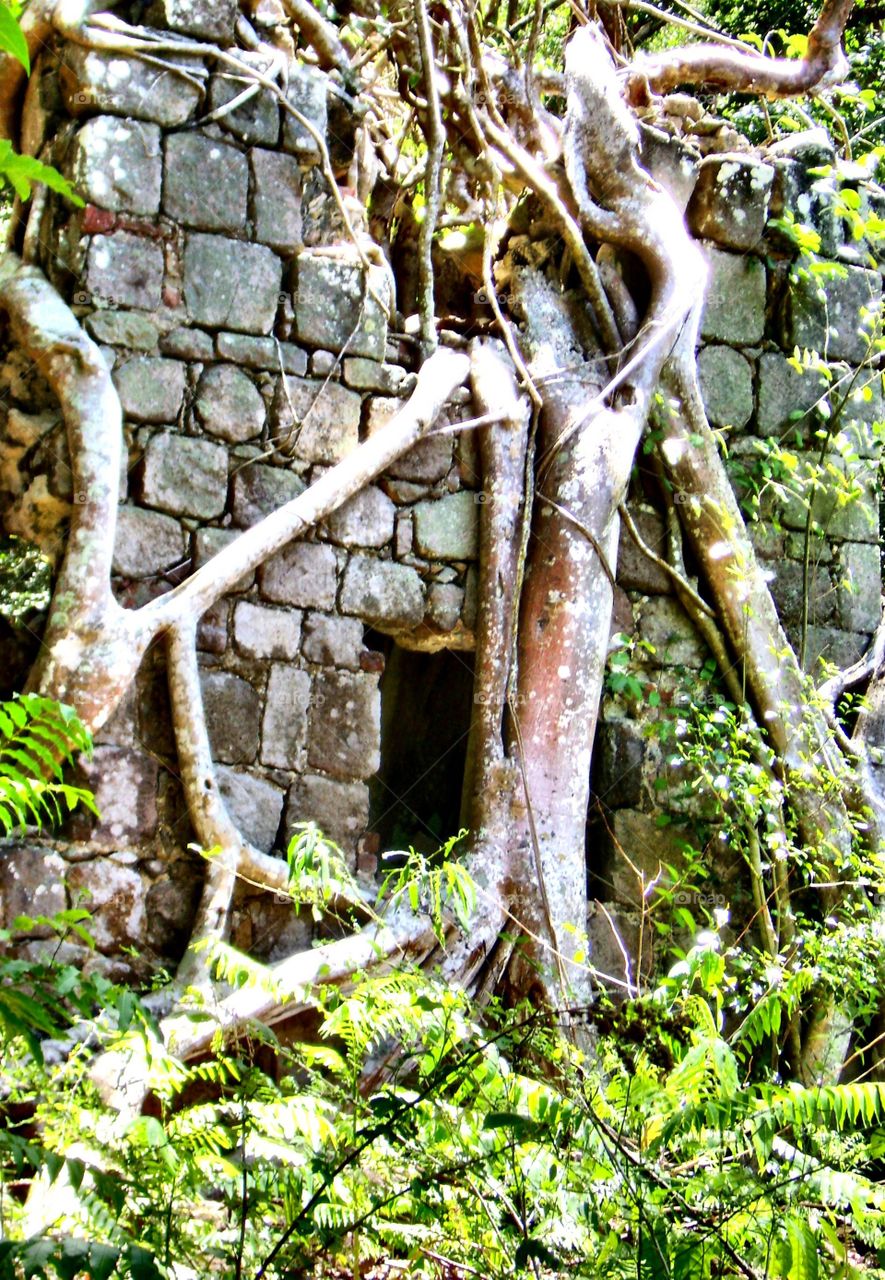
12	38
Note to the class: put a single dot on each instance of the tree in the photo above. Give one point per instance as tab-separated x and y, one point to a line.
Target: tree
491	149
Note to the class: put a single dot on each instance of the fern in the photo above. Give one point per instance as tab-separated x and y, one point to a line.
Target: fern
38	737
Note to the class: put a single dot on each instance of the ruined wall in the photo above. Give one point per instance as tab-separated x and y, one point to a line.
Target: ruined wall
250	353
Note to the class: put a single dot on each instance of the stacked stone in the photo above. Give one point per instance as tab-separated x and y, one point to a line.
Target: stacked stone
762	305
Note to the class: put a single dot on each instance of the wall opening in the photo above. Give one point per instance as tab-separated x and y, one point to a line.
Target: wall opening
426	699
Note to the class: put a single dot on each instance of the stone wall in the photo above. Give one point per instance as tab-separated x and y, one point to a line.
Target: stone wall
250	352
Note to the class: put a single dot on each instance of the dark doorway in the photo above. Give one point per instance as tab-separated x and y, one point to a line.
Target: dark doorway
415	798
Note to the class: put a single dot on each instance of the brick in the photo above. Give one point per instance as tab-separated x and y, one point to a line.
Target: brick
284	728
303	574
206	183
184	476
231	285
125	269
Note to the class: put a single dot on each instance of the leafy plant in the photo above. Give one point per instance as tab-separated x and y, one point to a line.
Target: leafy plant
38	737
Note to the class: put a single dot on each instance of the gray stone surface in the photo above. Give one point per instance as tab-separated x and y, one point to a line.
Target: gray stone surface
151	388
257	490
118	164
345	725
824	314
448	528
261	632
261	353
664	625
123	329
188	344
326	425
726	379
636	572
307	94
369	375
124	783
254	804
303	574
233	716
228	404
332	642
356	320
184	476
735	308
365	521
784	391
208	543
648	847
31	884
114	895
93	81
276	199
427	462
258	119
125	269
284	728
730	201
859	579
207	19
854	518
841	648
621	754
206	183
444	604
231	285
389	595
786	583
671	163
339	809
147	543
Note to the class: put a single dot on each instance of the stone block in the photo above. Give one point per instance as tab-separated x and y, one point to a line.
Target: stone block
307	94
827	644
233	716
635	571
114	894
303	574
621	755
206	183
284	728
118	165
824	313
151	388
444	604
267	633
254	804
261	353
208	543
188	344
258	119
730	200
356	321
812	148
785	582
855	518
32	883
184	476
326	425
123	329
726	379
664	625
91	80
650	848
125	269
672	164
206	19
231	285
258	489
228	404
332	642
369	375
734	310
344	737
386	594
276	199
365	521
339	809
859	579
863	410
784	391
146	543
448	528
428	461
124	783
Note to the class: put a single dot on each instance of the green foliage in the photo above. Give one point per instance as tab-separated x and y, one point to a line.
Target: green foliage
37	738
25	580
12	40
